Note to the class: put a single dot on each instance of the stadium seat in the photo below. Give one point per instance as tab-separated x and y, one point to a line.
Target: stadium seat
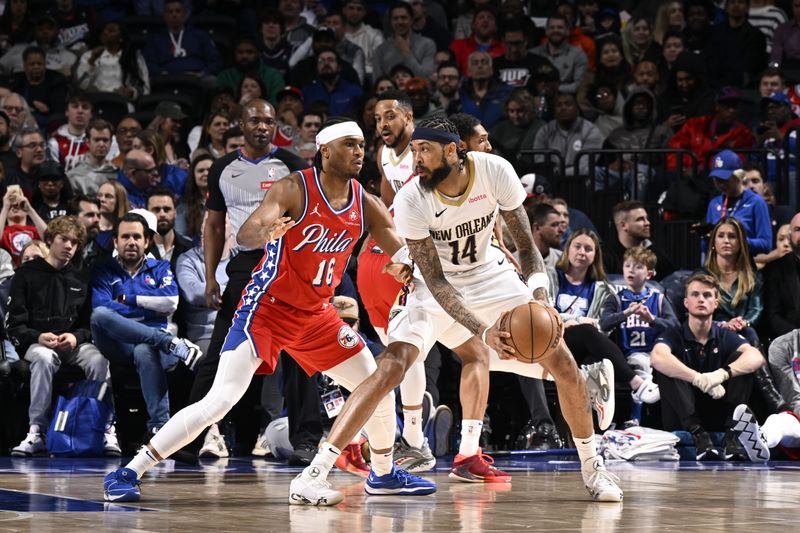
183	85
139	27
111	106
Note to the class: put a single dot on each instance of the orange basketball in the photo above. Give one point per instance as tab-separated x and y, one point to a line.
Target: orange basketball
536	330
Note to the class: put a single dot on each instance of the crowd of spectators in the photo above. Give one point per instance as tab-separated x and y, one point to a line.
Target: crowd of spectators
114	114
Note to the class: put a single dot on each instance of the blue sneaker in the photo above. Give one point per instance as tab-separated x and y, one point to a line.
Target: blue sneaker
398	482
121	485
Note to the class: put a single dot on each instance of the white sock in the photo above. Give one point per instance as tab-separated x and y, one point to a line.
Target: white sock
381	463
781	428
412	427
470	437
323	461
587	449
34	429
143	461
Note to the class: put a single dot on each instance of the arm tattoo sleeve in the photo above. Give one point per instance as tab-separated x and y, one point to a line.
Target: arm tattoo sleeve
529	257
423	252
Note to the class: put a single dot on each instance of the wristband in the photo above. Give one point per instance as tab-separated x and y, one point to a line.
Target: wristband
539	280
483	335
729	370
402	256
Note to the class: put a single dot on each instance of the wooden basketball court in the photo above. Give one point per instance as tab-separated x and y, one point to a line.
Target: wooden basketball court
65	495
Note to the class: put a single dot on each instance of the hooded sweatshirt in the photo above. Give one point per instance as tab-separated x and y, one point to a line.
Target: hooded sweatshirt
66	148
630	137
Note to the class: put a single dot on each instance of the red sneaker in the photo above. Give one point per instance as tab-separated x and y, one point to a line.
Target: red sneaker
352	461
477	469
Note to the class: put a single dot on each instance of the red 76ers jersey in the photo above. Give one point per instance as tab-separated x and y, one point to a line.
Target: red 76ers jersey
304	266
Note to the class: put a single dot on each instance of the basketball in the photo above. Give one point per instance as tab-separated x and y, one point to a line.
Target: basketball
536	330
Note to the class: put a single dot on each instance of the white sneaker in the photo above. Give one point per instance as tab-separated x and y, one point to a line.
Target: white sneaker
110	443
213	444
749	434
600	386
261	449
308	489
647	392
32	445
601	484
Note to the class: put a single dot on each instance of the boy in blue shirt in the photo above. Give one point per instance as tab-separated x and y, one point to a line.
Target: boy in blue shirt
640	313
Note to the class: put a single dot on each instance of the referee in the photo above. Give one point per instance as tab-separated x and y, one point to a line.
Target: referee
237	183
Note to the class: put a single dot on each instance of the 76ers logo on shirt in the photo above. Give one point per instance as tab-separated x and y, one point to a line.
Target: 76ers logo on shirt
352	217
149	281
347	337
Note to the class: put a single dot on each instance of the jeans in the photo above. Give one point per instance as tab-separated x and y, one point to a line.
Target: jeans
45	362
121	339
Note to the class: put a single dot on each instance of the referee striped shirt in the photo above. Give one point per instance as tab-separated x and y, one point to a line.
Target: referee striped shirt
237	184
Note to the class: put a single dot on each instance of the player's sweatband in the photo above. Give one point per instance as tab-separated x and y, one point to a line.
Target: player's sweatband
539	280
433	134
483	335
337	131
402	256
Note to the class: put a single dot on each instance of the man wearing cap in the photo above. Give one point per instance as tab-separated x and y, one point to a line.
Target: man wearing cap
365	36
180	50
132	296
330	87
50	203
68	145
94	170
707	134
404	46
739	202
246	59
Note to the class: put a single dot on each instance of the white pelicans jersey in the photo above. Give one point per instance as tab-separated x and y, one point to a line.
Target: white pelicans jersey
462	227
398	169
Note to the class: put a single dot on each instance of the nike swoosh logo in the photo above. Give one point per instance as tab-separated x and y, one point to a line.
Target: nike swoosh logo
236	175
502	260
437	215
386	163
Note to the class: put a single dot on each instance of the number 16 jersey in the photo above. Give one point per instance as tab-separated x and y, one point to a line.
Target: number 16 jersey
462	227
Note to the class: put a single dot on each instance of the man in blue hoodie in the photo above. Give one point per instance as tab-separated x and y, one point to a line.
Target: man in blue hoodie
132	296
739	202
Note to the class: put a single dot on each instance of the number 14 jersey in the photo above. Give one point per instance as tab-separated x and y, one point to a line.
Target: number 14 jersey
462	227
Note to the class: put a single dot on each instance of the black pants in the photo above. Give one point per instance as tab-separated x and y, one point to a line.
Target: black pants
588	346
684	406
300	391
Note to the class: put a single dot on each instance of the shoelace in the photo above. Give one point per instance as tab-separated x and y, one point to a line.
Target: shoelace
603	475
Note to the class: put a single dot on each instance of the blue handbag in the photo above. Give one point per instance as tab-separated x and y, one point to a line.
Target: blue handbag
77	428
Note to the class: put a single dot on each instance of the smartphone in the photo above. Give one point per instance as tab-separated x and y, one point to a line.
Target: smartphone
16	193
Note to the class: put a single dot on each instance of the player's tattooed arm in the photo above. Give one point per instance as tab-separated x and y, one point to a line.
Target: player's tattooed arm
530	259
424	254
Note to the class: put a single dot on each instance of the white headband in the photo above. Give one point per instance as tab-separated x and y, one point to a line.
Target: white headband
337	131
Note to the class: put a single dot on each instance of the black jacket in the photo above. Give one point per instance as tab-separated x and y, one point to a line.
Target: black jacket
44	300
781	296
613	251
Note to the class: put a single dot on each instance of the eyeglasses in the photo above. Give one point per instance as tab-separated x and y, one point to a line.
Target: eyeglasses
603	94
128	131
153	170
13	108
34	145
451	77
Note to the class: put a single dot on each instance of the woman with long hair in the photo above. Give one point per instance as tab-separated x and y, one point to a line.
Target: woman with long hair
16	24
189	213
114	201
668	18
613	71
214	127
729	261
579	288
637	41
114	66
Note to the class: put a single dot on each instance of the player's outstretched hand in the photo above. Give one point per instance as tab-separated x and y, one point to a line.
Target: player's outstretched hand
400	271
278	228
495	337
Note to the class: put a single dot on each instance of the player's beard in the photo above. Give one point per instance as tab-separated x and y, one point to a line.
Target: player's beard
397	138
437	176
